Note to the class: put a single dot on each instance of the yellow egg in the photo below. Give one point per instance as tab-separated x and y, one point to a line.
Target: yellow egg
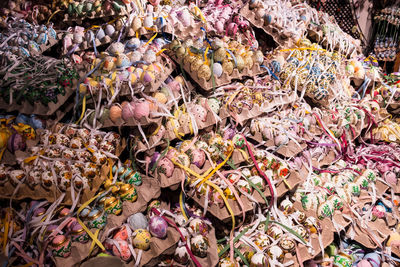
141	239
180	80
394	237
160	97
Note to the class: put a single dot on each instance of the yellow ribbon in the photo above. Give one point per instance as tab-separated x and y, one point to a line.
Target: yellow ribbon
181	206
93	237
52	15
151	40
160	52
205	56
216	168
96	234
83	109
211	184
225	201
201	14
30	159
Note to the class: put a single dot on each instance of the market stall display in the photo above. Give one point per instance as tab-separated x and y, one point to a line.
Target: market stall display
195	133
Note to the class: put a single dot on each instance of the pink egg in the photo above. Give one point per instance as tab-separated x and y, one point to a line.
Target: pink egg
142	109
158	227
391	178
219	26
172	153
364	263
198	157
232	28
199	112
128	111
166	167
174	86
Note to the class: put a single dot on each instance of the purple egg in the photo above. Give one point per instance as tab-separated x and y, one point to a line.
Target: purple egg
154	159
158	227
16	142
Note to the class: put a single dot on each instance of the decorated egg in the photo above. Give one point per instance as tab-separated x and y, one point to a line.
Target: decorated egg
198	226
137	221
181	255
258	260
204	72
199	245
217	69
373	258
166	167
158	227
262	240
325	210
16	142
258	181
141	109
141	239
122	250
378	212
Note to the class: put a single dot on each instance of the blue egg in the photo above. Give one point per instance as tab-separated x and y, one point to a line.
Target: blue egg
276	66
100	34
52	33
374	259
267	19
36	123
21	118
24	52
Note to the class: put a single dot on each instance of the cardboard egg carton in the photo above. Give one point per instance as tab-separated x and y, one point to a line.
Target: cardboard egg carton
23	191
327	235
38	108
275	33
168	67
128	32
182	33
147	191
294	179
84	45
222	213
50	43
131	122
224	79
212	258
210	121
126	10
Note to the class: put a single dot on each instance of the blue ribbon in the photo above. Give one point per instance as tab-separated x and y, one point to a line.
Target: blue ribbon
270	72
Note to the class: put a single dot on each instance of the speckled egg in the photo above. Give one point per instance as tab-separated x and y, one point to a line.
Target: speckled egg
141	239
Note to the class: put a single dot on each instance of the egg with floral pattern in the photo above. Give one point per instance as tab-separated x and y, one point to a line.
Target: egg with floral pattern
158	227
